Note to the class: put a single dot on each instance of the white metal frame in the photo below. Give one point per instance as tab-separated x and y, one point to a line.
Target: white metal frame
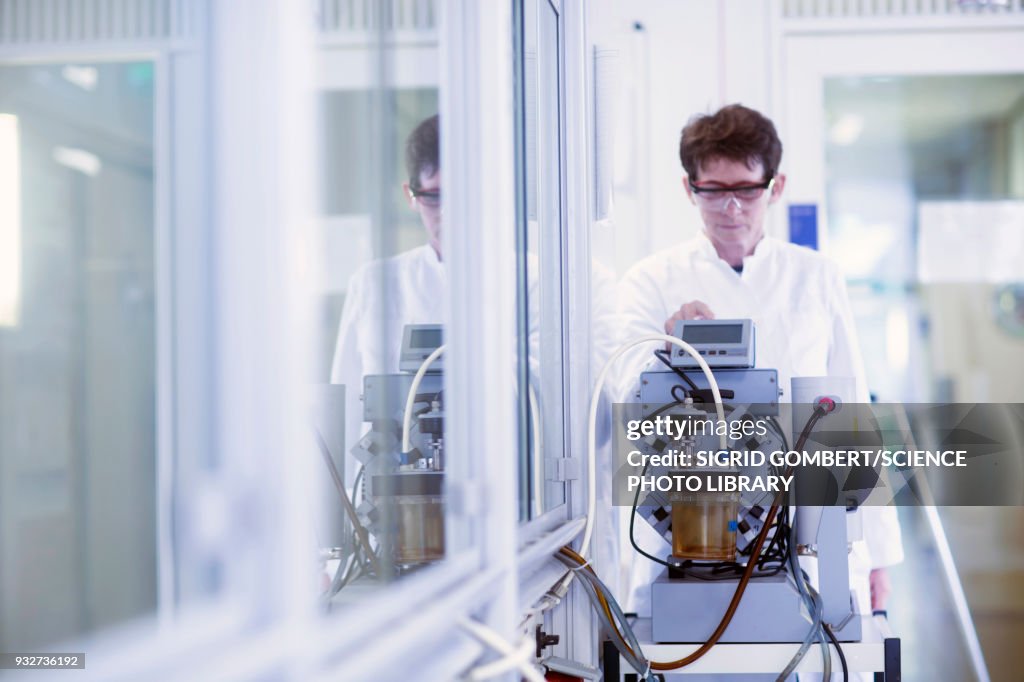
165	56
807	59
497	569
581	629
476	101
250	240
541	537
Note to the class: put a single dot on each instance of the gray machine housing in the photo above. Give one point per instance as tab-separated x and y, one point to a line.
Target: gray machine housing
689	609
758	387
384	394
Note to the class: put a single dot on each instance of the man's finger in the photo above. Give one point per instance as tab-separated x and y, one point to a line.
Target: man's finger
697	310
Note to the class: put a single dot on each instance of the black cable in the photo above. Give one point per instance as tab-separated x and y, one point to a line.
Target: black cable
678	387
664	357
636	495
842	656
717	567
632	520
773	562
772	559
780	539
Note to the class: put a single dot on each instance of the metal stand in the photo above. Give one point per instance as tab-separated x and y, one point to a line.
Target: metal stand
878	652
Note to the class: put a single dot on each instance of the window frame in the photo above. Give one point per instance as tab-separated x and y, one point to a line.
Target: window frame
209	342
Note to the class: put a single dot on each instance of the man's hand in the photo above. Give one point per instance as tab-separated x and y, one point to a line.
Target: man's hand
694	310
880	588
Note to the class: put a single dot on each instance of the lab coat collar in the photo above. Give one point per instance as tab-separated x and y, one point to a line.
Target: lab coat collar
430	260
762	250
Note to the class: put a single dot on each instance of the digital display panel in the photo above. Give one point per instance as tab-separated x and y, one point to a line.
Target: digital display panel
425	338
713	333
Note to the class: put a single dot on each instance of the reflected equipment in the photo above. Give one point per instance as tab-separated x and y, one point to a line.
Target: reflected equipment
403	507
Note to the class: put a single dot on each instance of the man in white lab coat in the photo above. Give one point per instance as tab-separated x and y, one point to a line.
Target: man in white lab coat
796	298
385	295
410	288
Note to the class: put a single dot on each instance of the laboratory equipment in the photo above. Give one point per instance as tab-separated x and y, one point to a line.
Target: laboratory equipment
759	388
403	505
418	342
722	343
753	614
709	531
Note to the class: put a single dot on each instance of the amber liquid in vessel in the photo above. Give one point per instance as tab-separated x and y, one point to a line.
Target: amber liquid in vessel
420	526
701	529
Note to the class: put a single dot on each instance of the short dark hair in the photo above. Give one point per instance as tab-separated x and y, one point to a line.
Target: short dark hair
422	150
734	132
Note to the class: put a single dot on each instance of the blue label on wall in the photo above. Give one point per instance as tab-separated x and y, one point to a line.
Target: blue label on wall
803	225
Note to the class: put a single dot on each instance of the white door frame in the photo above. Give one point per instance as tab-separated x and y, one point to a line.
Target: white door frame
806	60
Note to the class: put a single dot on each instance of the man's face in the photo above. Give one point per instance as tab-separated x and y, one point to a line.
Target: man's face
733	224
428	206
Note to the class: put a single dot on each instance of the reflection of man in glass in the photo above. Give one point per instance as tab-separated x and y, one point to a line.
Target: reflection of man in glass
385	295
424	186
732	269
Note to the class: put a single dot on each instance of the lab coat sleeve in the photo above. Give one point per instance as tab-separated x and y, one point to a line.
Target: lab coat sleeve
606	336
346	354
641	311
605	340
883	536
882	533
844	357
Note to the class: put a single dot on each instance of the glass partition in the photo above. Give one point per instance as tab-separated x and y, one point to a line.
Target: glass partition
924	204
78	442
924	196
381	297
541	241
178	445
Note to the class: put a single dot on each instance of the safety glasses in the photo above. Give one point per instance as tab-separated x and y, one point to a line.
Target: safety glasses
717	196
425	198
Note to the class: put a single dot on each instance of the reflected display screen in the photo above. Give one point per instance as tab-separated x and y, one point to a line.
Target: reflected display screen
425	338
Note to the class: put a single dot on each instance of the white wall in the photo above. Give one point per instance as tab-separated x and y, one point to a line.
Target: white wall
686	57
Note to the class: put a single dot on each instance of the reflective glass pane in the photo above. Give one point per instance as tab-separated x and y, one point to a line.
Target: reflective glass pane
925	204
78	464
381	297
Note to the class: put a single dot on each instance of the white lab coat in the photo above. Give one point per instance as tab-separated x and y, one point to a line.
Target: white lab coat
382	297
797	300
